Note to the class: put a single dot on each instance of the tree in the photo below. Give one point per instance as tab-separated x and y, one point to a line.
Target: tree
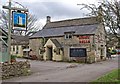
3	20
33	24
109	13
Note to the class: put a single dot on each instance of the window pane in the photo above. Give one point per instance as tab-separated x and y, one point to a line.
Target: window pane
70	36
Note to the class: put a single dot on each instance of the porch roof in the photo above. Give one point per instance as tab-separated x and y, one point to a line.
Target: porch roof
57	44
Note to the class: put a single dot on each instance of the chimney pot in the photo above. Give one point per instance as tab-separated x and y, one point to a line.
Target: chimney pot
48	19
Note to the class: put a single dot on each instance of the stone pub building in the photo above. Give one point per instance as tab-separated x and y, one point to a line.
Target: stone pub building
72	39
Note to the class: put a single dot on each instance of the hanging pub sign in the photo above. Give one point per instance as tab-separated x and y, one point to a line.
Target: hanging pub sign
19	20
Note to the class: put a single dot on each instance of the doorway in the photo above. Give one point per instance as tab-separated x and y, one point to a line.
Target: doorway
102	53
49	53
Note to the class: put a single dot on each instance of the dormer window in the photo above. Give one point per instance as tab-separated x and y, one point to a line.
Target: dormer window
68	35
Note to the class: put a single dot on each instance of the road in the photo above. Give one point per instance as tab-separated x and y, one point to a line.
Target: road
62	72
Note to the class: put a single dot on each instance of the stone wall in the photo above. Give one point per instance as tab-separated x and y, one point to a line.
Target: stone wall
35	45
14	69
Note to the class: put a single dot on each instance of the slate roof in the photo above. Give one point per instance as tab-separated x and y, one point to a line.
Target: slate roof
79	26
72	22
20	40
57	44
79	30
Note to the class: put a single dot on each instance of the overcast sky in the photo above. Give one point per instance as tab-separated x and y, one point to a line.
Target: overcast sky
57	9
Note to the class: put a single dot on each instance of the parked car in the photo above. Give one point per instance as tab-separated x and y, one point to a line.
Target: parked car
118	51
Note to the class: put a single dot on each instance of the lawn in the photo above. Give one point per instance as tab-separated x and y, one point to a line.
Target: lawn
111	77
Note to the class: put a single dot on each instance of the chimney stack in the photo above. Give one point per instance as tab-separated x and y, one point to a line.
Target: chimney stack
48	19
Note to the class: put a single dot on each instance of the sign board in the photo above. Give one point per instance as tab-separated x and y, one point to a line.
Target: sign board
19	20
84	39
78	52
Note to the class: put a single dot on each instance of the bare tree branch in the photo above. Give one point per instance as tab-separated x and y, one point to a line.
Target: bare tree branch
109	13
31	21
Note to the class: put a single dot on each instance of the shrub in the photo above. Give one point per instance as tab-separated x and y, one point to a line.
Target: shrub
13	57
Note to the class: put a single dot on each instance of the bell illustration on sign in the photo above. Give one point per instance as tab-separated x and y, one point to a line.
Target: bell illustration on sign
19	19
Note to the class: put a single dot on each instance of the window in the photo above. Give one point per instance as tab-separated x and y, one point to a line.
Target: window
39	51
58	52
68	36
102	52
13	48
16	49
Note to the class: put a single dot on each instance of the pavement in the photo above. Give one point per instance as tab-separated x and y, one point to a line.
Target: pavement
49	71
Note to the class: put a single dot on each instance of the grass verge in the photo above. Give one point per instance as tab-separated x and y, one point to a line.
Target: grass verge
109	78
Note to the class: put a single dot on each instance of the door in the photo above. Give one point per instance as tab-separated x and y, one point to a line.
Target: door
49	53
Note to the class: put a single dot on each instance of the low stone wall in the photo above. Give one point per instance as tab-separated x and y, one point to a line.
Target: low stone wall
14	69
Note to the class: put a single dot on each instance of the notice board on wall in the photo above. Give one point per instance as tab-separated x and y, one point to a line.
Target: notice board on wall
78	52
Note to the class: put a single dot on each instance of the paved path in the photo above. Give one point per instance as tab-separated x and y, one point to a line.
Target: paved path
59	72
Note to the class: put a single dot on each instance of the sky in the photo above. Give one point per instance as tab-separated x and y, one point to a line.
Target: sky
57	9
